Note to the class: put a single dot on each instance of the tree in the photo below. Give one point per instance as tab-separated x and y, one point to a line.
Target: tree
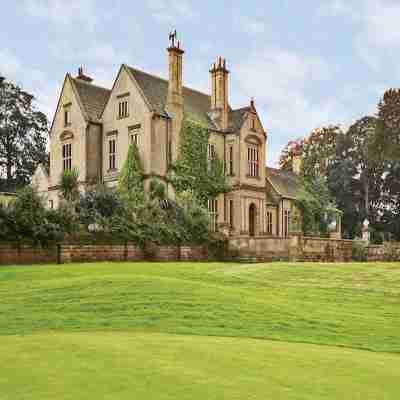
317	206
194	171
316	151
355	178
387	141
292	149
130	183
23	132
319	150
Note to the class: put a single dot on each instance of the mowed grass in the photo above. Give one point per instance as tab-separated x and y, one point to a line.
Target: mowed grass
195	331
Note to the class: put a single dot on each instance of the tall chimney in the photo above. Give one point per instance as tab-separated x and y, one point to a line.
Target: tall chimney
175	97
174	104
219	91
83	77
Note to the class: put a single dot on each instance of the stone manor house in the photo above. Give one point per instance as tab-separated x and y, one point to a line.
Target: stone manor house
93	127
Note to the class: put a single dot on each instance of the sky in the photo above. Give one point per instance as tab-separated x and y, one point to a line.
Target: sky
307	63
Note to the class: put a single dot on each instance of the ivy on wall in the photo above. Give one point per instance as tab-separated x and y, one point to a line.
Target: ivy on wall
193	171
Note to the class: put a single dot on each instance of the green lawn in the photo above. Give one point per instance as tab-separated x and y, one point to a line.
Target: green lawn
200	331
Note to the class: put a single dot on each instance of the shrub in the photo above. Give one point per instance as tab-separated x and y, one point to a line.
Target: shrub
27	220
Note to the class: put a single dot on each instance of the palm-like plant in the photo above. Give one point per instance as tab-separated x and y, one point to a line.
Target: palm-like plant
69	185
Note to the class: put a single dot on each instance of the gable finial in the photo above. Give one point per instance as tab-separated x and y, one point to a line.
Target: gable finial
252	103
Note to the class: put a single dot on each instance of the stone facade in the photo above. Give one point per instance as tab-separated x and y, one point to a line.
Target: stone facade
93	128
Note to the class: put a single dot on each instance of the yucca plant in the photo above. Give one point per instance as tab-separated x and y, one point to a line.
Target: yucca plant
69	185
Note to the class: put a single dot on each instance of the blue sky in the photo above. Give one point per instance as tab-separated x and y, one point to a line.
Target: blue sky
307	63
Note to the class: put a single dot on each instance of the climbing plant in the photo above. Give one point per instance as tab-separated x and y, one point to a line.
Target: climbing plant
194	171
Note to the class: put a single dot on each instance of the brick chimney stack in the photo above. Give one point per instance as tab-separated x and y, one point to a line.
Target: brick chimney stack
175	97
219	92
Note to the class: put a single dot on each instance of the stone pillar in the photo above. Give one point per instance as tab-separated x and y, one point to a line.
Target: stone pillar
295	247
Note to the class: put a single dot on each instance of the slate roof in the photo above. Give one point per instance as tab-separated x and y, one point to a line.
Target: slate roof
196	104
93	98
284	182
236	117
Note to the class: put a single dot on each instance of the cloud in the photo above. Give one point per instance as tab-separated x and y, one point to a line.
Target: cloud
63	13
250	25
30	79
285	85
378	37
171	11
281	82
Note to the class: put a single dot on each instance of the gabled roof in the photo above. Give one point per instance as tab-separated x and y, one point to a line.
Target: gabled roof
285	183
196	103
237	117
155	89
93	98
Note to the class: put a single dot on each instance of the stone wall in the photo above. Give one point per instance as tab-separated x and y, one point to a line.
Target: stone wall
266	248
294	248
322	249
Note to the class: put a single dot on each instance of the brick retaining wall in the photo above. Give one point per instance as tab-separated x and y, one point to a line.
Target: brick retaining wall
11	253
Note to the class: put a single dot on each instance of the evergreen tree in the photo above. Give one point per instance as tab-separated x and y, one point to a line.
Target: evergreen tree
130	183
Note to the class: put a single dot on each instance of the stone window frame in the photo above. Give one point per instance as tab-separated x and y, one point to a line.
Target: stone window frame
287	217
134	133
254	144
253	161
231	214
67	114
269	222
123	106
231	157
112	152
66	153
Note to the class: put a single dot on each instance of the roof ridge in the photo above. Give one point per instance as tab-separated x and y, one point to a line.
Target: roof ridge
241	108
90	84
166	80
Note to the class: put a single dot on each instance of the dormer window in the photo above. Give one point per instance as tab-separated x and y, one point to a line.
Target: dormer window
123	109
253	124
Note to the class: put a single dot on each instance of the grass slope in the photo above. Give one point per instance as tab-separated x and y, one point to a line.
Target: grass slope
81	366
144	330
